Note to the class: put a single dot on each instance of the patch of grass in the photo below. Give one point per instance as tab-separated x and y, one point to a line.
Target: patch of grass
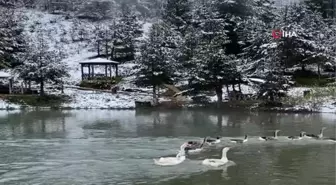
37	101
100	83
317	97
310	79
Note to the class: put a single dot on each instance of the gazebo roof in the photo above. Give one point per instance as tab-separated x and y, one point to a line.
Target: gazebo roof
4	74
99	61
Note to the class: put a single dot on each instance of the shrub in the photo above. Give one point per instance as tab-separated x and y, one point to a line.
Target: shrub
310	78
100	83
36	100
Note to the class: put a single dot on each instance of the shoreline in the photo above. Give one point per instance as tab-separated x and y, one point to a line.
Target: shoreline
73	99
200	107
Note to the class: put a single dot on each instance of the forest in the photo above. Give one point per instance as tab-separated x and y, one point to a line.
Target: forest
211	44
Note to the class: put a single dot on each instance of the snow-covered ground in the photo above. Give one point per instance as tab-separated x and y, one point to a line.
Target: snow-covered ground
97	100
323	104
61	30
7	106
246	89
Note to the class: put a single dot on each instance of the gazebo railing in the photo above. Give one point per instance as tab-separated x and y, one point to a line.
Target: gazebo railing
99	75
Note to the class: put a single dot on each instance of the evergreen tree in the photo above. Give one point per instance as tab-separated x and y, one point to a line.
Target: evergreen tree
127	31
42	64
262	54
308	46
12	42
178	15
325	7
155	60
215	67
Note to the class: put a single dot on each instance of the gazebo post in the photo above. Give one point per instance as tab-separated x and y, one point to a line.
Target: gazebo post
116	70
89	75
108	65
82	71
10	85
110	70
92	71
105	70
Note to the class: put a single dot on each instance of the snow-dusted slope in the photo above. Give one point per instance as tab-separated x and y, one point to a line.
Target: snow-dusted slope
62	31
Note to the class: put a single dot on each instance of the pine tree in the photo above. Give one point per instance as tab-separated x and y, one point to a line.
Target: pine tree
128	30
325	7
42	64
262	54
155	60
178	15
308	46
12	42
215	67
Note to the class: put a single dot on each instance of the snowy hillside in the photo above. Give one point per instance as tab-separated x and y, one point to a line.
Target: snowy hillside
62	33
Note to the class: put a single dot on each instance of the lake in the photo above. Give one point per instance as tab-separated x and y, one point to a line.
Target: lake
100	147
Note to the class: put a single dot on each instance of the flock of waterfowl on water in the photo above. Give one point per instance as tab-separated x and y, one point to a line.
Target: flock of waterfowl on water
196	147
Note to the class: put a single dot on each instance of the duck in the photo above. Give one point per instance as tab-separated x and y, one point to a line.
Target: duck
171	161
194	146
275	137
217	162
319	136
239	140
211	141
302	134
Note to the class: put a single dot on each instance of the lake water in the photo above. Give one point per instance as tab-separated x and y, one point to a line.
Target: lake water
101	147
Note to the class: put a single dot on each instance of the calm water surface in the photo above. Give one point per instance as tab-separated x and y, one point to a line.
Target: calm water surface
117	147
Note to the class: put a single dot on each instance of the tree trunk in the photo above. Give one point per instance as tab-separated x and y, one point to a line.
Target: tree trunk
303	67
155	99
29	84
219	93
319	71
227	89
22	87
42	88
98	48
272	97
106	48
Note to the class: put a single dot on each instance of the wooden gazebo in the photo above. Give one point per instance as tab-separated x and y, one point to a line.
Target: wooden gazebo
91	63
7	76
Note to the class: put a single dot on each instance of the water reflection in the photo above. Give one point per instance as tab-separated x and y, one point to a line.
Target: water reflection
33	124
104	147
99	123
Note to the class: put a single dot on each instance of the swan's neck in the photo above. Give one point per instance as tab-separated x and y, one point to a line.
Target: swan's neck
203	143
224	158
275	134
321	133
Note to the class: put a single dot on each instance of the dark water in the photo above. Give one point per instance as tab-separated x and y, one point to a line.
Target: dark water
117	147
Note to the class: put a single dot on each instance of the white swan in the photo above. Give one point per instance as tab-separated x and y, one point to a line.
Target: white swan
211	141
239	140
302	134
217	162
319	136
170	161
275	137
